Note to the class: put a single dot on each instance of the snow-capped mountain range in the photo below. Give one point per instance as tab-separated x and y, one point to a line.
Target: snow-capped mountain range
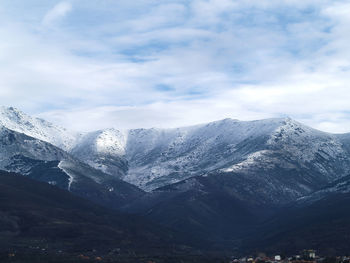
223	182
153	158
41	150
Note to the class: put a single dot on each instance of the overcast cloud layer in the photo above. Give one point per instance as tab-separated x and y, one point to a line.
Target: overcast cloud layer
105	63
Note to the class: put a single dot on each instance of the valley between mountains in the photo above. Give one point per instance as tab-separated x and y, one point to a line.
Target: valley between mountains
234	186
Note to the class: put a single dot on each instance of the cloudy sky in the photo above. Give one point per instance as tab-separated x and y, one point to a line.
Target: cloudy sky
145	63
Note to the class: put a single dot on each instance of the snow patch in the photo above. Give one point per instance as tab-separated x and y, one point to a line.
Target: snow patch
251	159
71	177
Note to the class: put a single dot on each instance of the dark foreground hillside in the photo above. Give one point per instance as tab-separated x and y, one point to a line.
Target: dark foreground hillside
209	208
42	223
323	225
38	219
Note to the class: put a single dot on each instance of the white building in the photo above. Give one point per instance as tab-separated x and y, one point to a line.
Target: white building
278	258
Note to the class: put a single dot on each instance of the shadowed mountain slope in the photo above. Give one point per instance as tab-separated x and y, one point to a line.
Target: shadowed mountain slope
35	214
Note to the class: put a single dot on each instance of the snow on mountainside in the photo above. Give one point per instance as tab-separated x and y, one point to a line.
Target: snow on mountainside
300	145
45	162
14	146
295	161
16	120
158	157
32	157
341	186
103	150
281	154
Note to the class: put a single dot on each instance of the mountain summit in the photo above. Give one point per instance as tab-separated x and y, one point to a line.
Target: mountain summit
18	121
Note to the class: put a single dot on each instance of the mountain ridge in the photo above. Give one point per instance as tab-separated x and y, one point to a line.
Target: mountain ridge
224	181
45	162
152	158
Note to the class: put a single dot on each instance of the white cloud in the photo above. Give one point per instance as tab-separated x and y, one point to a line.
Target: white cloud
57	12
216	59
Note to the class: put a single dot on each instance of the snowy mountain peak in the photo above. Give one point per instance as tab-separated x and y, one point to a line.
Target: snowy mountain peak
10	115
103	150
110	141
18	121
